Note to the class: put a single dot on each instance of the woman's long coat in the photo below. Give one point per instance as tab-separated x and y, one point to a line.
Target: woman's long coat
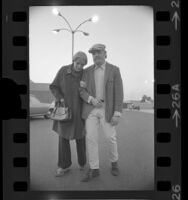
66	85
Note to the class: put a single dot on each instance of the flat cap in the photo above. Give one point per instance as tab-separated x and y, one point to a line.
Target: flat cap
97	47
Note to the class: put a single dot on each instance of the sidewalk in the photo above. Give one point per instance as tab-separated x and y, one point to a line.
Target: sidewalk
136	157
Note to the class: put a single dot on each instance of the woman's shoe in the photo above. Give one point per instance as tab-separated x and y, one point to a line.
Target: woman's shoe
115	169
82	168
60	171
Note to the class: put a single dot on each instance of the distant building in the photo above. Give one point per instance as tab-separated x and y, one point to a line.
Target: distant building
41	91
125	105
146	99
129	104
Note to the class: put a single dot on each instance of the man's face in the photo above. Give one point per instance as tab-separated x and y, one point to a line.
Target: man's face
79	63
99	57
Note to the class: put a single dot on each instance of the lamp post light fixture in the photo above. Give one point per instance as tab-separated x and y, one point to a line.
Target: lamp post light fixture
55	11
93	19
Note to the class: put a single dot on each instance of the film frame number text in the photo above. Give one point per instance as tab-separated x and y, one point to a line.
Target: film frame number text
175	17
176	103
175	4
176	192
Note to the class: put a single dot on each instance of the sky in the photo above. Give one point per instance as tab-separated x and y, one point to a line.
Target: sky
126	31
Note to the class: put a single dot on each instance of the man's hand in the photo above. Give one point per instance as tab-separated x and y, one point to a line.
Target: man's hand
114	120
97	103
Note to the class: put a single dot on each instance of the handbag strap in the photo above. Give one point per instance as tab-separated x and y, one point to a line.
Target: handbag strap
54	110
60	103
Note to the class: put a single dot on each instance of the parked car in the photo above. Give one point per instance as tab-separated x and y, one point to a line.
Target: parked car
132	106
51	108
38	108
136	107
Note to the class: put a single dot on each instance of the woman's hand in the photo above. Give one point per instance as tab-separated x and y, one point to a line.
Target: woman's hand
83	84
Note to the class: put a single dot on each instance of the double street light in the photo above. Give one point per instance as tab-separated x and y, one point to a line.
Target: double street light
93	19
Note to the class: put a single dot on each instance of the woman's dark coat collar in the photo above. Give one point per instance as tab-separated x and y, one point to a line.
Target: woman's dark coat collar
69	69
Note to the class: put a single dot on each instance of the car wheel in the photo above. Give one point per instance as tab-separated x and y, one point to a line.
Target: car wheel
46	116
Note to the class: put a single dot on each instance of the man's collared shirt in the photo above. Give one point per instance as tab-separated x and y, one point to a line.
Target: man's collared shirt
99	81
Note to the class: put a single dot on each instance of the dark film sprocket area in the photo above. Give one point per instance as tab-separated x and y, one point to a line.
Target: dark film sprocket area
19	16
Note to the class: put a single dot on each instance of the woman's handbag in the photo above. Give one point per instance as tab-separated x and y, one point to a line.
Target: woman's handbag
61	112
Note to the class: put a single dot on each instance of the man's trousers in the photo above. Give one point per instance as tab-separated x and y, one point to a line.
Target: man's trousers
95	119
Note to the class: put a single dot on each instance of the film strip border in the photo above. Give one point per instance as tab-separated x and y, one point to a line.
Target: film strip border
167	102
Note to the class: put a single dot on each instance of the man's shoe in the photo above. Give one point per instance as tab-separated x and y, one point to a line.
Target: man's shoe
60	171
115	169
91	173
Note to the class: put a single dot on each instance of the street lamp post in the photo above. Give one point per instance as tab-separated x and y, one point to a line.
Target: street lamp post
72	44
71	30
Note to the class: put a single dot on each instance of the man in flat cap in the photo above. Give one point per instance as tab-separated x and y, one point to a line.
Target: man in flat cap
101	89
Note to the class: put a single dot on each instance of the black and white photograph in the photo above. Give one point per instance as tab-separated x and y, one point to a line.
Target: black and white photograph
91	71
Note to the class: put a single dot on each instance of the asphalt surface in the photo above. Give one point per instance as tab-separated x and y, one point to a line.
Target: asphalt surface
135	136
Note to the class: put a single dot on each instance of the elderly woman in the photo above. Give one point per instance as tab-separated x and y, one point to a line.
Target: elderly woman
66	86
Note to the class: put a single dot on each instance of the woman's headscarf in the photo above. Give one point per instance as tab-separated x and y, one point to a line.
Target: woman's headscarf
81	55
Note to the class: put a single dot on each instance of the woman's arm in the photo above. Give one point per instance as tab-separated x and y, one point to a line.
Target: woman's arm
55	86
83	88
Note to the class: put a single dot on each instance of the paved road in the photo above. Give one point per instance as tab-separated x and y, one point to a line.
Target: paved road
147	111
136	157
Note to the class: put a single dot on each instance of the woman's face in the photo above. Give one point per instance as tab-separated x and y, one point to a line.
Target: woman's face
79	63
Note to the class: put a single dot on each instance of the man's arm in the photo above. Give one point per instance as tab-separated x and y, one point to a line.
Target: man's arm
118	90
85	94
83	91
